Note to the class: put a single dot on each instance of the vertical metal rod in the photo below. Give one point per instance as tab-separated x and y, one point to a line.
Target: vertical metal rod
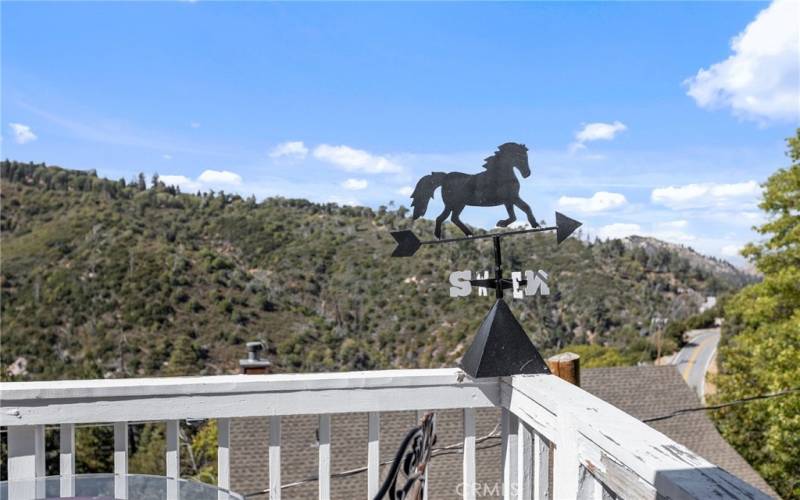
498	268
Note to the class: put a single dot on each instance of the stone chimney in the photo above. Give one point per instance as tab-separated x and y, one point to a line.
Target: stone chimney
254	365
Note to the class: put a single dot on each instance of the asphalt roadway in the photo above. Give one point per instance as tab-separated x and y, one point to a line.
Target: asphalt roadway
694	359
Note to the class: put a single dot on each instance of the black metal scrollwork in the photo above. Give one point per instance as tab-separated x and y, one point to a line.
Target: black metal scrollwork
411	459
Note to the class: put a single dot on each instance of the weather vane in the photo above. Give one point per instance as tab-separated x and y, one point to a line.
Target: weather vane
501	346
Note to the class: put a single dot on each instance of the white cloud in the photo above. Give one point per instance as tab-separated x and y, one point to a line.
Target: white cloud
761	80
731	250
209	179
597	131
186	184
220	177
672	231
291	149
166	157
355	184
619	230
194	124
706	195
599	202
405	190
355	160
351	202
22	133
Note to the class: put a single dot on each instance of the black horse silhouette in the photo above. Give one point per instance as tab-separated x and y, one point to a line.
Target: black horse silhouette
497	186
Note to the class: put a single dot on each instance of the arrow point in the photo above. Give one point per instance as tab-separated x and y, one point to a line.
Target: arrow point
565	226
407	243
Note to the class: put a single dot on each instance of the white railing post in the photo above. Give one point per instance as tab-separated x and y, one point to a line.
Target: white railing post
173	458
224	455
524	462
566	465
541	468
121	460
509	428
26	461
275	457
373	453
468	486
66	459
324	472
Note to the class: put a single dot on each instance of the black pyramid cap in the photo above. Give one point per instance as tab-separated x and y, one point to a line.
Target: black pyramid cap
501	347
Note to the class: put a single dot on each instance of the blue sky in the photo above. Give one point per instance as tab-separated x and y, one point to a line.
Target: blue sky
646	118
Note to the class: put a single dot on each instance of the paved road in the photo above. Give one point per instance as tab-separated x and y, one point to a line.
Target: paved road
693	360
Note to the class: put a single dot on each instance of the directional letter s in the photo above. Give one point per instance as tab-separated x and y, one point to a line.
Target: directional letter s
461	285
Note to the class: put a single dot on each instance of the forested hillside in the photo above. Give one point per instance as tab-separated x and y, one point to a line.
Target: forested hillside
112	278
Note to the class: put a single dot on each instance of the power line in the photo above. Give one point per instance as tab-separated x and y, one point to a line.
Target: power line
722	405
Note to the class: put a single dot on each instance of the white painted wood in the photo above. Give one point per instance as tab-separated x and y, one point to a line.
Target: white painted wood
224	453
119	400
541	468
420	415
121	460
566	466
609	442
173	458
524	462
373	453
324	457
26	461
628	457
274	457
66	459
589	488
509	429
468	486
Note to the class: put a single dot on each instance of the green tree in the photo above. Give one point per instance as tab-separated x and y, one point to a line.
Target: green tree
761	341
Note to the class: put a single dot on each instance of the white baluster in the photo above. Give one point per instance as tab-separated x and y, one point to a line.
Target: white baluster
509	428
373	454
25	461
524	462
66	459
173	457
469	454
121	460
589	488
324	457
541	468
275	457
223	456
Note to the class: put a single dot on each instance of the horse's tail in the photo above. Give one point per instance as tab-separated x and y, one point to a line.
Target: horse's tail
423	193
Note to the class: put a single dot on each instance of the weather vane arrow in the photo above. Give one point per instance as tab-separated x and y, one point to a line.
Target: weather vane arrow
408	243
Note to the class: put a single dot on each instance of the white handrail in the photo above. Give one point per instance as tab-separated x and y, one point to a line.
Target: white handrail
616	449
589	445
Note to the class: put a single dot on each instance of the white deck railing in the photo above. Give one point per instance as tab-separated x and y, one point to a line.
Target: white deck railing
597	451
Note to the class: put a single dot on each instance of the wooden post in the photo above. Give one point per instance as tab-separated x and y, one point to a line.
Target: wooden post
566	365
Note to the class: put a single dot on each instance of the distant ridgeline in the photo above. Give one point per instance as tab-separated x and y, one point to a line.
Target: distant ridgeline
133	278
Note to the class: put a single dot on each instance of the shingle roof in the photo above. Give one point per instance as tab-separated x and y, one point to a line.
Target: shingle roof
652	391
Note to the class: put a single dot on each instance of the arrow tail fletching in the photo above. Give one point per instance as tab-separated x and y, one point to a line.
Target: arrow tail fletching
407	243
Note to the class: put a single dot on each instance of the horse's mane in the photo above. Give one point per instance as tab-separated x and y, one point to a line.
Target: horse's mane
491	161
